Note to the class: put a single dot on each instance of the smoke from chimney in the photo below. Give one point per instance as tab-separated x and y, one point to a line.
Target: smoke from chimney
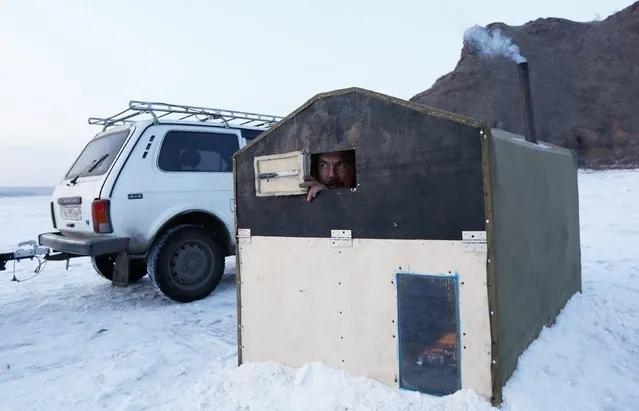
495	43
492	43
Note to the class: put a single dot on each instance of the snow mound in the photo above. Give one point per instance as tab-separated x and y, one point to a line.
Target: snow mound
271	386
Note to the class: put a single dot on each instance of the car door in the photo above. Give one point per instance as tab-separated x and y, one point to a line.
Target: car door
185	168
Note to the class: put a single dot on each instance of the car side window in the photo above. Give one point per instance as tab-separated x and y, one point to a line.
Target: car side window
197	151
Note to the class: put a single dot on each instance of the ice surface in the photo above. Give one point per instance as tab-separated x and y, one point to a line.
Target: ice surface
70	341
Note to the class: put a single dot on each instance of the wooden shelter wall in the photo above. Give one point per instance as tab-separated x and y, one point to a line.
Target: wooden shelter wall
418	176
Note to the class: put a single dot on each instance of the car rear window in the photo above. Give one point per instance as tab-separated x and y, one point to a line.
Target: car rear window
107	145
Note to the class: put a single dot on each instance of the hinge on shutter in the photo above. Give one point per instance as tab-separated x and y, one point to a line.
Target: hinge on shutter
275	174
341	238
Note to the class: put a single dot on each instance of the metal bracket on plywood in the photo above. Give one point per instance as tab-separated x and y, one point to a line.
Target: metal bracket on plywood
244	235
474	240
341	238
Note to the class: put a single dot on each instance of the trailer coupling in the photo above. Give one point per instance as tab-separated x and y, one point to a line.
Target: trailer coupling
29	250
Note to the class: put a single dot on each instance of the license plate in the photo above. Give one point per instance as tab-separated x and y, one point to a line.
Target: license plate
73	212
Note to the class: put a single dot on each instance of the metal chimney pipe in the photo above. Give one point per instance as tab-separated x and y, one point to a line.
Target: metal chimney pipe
527	107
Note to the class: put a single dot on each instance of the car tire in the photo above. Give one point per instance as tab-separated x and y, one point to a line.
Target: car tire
186	263
104	265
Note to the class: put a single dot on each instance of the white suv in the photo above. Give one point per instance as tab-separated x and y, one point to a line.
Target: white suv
155	196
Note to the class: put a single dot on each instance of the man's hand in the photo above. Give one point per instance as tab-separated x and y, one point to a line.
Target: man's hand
314	187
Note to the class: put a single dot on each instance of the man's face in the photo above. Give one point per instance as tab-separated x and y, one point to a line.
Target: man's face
336	170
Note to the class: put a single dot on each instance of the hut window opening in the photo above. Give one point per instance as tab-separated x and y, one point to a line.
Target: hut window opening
335	169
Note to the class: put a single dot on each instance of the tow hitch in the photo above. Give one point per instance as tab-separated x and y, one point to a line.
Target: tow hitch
29	250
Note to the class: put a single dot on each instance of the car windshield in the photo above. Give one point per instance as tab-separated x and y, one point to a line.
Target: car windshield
103	148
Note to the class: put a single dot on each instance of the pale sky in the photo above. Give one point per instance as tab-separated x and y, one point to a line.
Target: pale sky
62	61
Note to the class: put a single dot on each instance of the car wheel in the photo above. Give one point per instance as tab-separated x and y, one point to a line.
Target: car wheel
104	265
186	263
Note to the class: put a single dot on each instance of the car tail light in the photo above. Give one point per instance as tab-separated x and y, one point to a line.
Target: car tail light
101	217
52	215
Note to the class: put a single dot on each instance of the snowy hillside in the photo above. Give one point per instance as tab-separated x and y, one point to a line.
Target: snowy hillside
70	341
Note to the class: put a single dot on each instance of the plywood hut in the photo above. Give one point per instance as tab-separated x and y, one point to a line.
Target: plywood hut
457	245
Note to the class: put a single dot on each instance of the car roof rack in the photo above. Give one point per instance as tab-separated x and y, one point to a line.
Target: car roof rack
160	110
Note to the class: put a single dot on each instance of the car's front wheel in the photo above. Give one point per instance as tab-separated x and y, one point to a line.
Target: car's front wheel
186	263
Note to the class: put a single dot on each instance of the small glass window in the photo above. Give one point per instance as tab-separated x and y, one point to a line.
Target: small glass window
428	333
196	151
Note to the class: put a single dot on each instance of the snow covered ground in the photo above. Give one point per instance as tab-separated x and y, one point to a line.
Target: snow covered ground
70	341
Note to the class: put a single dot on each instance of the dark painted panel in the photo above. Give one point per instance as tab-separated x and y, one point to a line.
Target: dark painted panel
536	253
419	176
428	333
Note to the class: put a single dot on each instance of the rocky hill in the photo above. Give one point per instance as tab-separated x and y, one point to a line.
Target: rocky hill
584	81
